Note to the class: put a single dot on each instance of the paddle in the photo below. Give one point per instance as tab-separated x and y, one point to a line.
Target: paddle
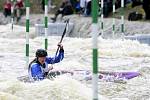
67	22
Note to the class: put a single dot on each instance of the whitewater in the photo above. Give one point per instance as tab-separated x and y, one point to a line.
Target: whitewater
114	55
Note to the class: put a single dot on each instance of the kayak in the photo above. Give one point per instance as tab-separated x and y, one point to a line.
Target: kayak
87	75
102	75
126	75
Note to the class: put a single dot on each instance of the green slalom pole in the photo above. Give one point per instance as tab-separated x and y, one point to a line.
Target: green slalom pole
95	50
122	17
46	24
27	31
113	26
102	17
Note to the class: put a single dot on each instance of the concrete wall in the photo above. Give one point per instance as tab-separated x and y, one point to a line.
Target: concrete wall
54	29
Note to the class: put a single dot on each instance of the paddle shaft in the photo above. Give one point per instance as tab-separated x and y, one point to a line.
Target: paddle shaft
67	21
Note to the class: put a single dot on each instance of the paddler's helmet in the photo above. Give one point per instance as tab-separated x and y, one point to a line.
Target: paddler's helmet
41	53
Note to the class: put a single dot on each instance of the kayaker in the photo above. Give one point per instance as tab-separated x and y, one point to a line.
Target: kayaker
38	68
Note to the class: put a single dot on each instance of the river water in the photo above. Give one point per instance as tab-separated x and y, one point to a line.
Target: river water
114	55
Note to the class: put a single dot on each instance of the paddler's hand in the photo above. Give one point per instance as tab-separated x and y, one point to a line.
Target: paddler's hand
50	68
60	45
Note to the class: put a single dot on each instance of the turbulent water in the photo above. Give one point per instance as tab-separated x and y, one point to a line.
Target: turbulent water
114	55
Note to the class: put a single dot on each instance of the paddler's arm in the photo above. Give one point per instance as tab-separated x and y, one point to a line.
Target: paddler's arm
57	58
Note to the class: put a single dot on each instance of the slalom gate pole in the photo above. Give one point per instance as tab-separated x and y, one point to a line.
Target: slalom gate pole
12	14
95	49
46	24
122	28
122	17
102	17
113	26
27	31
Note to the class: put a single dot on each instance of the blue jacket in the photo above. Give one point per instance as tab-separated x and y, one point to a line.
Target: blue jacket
38	71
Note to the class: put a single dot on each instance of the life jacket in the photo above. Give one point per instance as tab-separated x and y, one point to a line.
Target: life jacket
42	68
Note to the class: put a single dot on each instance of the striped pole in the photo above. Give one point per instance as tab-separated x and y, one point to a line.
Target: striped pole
27	32
46	24
95	50
12	14
113	26
102	17
122	16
